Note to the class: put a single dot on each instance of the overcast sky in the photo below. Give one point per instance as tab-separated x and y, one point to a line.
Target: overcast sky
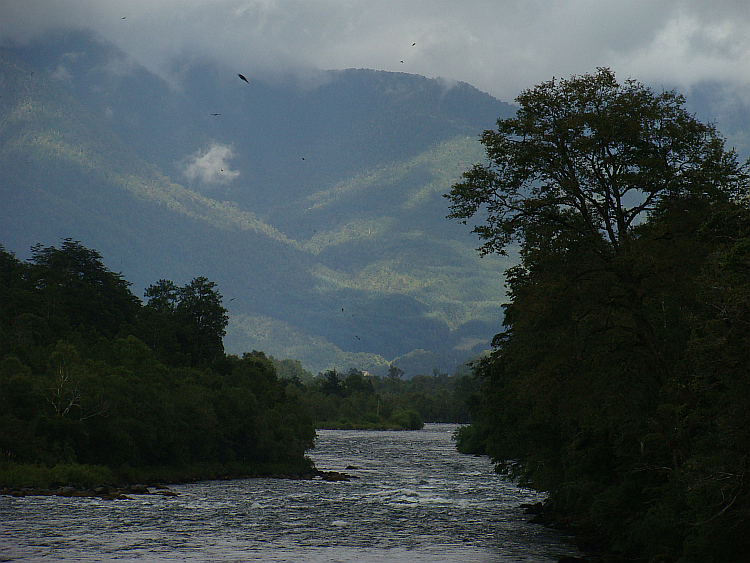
500	46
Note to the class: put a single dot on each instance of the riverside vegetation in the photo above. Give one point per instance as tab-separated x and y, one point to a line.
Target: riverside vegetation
97	387
621	384
359	401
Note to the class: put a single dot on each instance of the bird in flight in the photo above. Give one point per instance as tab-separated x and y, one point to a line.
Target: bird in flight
242	77
215	114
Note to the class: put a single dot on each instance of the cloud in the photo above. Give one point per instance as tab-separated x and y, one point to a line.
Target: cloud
500	46
62	74
687	49
211	167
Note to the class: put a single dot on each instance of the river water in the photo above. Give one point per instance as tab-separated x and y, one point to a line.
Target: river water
414	499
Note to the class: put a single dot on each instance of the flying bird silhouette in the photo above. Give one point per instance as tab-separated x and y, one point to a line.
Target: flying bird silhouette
215	114
242	77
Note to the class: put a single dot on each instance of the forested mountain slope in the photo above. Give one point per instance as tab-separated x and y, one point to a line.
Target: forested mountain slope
316	207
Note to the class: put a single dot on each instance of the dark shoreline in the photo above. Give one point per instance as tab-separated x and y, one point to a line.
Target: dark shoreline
595	547
108	491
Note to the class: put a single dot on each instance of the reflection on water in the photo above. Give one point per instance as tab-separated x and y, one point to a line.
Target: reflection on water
414	499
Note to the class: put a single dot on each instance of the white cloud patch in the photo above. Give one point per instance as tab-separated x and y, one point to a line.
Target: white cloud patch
62	74
211	167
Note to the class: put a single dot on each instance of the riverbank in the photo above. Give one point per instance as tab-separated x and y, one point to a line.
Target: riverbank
416	498
108	491
596	547
81	480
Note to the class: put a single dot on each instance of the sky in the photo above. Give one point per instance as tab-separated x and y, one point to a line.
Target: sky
502	47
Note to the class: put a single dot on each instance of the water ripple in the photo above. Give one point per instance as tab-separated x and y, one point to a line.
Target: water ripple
414	499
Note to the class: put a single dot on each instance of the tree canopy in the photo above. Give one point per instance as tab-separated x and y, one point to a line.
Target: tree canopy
195	315
91	376
618	384
590	157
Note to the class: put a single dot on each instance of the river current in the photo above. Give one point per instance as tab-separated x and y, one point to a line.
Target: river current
413	498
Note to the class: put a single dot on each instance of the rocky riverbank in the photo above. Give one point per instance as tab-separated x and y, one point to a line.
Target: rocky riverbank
104	491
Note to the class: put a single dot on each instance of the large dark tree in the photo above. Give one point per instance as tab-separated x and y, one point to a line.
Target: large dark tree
78	290
612	193
590	157
186	322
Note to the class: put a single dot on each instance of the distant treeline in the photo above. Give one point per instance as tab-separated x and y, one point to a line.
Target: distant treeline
357	400
90	375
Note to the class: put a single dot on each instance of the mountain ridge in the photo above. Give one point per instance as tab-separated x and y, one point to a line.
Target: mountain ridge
371	240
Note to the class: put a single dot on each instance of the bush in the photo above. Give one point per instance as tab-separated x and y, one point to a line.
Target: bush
469	440
407	419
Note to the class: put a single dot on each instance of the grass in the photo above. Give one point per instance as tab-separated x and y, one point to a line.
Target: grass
17	475
82	476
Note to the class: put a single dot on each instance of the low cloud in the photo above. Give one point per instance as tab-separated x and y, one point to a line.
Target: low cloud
211	167
501	47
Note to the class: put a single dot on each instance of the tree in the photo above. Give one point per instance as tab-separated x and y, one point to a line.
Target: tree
188	321
77	289
356	382
580	166
395	372
200	304
590	157
78	386
594	392
163	296
331	383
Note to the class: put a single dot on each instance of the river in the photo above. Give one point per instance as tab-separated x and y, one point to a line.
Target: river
414	498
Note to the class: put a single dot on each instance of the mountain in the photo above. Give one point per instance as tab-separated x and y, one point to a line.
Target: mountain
315	205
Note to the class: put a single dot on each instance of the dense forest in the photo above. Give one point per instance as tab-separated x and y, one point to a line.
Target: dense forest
90	376
621	383
357	400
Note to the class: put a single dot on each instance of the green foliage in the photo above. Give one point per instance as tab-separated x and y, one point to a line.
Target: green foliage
408	419
365	401
82	390
14	475
620	382
195	318
589	158
469	440
76	289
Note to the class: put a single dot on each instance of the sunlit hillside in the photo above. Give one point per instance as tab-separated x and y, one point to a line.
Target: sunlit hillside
322	220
